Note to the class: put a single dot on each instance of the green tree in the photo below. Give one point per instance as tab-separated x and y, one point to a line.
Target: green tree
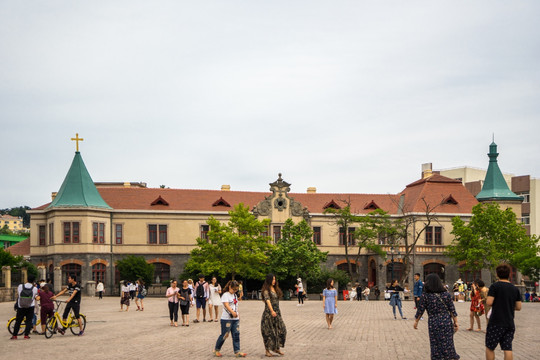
295	254
492	236
5	230
527	260
343	218
235	248
135	267
7	259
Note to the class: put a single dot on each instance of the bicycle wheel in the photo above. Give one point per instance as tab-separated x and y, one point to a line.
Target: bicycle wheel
50	328
11	327
74	325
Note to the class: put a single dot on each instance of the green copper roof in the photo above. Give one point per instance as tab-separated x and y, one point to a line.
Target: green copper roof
78	189
495	187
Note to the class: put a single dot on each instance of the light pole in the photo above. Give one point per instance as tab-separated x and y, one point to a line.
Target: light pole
392	262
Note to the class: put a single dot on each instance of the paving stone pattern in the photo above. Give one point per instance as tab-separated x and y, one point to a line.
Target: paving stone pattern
361	330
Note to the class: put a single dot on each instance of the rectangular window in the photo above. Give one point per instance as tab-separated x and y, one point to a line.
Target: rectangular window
438	235
162	234
95	233
382	238
152	234
67	232
317	235
42	233
526	197
118	233
101	233
277	234
429	235
350	236
265	232
75	237
526	219
98	233
51	234
204	231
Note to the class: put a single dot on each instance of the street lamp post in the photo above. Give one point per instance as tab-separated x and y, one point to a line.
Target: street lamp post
392	252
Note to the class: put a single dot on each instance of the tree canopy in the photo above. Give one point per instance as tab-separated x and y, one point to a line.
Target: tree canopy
236	248
492	236
295	254
135	267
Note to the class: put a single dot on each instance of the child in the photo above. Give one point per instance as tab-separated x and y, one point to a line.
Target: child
330	302
229	320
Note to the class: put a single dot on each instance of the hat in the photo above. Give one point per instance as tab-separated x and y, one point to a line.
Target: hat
299	279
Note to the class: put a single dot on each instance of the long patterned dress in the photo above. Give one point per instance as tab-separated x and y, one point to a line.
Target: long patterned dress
441	327
272	328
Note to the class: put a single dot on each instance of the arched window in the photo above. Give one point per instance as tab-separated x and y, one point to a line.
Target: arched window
98	272
345	267
469	275
396	273
162	272
70	269
434	268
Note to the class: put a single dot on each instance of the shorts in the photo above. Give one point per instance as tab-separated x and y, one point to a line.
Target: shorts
72	306
496	334
185	309
201	303
139	296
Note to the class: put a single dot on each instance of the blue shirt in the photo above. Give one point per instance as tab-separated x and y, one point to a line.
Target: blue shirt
418	287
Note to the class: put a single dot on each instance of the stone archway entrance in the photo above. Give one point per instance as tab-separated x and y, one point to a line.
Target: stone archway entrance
372	275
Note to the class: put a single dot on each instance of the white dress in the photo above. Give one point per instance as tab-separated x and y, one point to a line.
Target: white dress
215	297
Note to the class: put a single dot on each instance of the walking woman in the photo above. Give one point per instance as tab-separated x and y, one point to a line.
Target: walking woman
141	294
215	298
185	302
330	302
124	297
273	328
230	320
172	296
395	300
300	291
440	308
477	308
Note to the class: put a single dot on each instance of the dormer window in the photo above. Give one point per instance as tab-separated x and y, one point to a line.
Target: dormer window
221	202
449	200
372	206
332	205
160	201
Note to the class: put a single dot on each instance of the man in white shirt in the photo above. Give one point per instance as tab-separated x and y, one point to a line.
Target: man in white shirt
25	307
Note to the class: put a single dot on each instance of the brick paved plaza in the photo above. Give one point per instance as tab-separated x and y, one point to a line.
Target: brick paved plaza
361	330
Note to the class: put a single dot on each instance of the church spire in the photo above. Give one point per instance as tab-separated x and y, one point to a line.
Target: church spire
78	189
495	187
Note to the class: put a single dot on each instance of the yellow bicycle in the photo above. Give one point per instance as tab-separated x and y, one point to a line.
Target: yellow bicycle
11	325
70	323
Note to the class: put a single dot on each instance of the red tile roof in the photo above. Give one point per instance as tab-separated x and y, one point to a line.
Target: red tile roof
22	248
433	189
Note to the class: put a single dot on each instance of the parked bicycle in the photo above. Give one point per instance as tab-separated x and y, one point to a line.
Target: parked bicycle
71	322
11	325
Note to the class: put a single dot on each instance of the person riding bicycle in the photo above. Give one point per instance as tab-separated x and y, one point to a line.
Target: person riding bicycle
73	303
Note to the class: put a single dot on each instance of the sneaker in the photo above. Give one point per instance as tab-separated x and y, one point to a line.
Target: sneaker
26	337
81	333
240	354
195	321
14	337
403	318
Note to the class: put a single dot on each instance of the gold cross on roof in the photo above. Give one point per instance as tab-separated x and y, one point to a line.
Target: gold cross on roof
77	139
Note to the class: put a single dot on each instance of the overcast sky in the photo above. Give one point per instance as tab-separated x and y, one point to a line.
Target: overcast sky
346	96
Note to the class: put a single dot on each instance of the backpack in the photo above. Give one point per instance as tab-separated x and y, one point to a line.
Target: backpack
200	290
26	297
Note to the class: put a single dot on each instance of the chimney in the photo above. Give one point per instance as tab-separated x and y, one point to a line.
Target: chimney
53	195
312	190
225	187
427	170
